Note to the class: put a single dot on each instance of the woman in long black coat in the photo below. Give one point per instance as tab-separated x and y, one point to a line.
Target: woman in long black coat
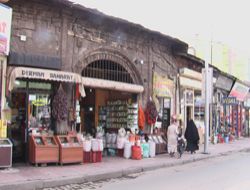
192	137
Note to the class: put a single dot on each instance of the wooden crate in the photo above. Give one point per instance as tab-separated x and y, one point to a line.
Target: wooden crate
70	149
43	149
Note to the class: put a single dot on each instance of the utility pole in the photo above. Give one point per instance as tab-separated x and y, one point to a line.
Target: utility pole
206	108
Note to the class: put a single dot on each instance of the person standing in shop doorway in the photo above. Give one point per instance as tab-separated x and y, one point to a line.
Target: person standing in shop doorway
172	136
192	137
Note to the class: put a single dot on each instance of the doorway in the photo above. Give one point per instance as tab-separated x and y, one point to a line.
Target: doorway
166	113
30	104
189	113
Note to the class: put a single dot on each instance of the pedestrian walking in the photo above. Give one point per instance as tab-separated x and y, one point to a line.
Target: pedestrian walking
192	137
172	136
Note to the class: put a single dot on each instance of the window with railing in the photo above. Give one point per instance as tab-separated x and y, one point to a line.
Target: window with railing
108	70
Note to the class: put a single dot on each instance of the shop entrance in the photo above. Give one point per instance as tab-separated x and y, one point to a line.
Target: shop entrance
163	119
105	106
107	109
30	110
189	113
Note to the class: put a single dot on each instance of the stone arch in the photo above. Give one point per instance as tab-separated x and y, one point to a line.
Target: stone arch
112	55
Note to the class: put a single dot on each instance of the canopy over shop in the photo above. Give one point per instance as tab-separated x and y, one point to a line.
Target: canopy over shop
31	99
43	74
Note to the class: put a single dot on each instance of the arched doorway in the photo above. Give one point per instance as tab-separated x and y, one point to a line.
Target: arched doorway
111	100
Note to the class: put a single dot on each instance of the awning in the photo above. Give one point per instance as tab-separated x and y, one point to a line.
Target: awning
113	85
44	74
239	91
190	83
224	83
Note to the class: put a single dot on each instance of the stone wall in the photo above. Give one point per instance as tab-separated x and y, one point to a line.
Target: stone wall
74	34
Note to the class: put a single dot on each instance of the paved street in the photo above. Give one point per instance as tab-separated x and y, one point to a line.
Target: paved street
228	172
30	177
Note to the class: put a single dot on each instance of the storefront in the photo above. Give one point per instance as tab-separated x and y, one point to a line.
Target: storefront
239	92
222	105
31	93
164	96
111	100
246	116
192	106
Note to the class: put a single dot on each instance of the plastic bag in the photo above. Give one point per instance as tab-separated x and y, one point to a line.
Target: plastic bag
120	142
121	132
152	147
127	150
145	150
87	145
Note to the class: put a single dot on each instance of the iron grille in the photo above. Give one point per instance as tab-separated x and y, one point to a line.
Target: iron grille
108	70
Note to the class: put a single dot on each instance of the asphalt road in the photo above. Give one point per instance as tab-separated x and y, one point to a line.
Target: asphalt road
224	173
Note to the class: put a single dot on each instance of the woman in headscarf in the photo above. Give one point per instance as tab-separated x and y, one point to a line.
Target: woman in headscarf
192	137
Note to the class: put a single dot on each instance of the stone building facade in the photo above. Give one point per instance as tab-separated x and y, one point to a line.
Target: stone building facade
68	37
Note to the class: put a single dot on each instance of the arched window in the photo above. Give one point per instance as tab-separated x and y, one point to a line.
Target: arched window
108	70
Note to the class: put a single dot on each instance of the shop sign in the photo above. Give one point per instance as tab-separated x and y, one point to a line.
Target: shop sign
46	75
162	86
24	72
229	101
189	97
39	102
5	29
239	91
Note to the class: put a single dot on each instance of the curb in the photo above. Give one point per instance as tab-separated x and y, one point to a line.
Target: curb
38	184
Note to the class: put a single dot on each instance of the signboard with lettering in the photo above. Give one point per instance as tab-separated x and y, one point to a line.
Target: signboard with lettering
32	73
5	29
229	101
162	86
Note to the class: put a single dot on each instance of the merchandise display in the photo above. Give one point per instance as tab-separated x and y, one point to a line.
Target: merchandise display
145	150
121	114
43	149
117	114
136	153
152	148
127	150
160	144
70	148
102	116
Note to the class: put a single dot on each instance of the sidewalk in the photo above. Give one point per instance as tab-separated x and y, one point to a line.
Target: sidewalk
30	177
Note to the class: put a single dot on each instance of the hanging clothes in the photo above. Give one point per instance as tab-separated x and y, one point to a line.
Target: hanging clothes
141	118
151	113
